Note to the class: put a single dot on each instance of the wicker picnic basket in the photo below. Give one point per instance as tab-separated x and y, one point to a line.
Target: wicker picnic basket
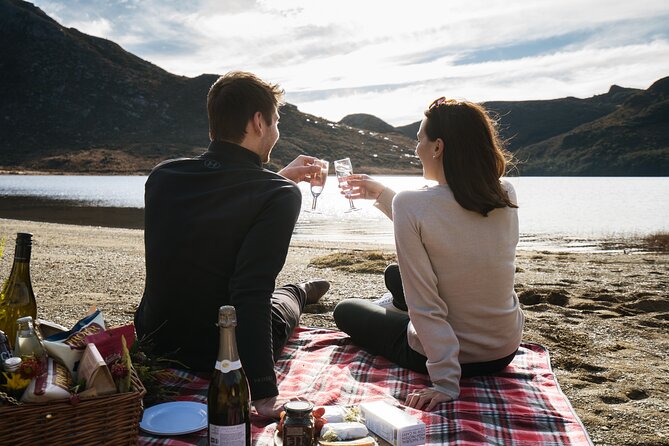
103	420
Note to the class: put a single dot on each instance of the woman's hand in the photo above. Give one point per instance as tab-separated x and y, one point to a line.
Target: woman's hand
430	396
300	169
362	186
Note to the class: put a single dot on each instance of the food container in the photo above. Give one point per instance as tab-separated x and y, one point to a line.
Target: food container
298	427
393	424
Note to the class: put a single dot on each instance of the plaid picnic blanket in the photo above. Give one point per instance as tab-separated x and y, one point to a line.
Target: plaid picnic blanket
521	405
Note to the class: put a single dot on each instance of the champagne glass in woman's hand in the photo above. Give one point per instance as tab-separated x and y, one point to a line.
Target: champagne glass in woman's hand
318	181
344	169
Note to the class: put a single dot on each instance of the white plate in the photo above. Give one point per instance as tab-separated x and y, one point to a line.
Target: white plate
175	418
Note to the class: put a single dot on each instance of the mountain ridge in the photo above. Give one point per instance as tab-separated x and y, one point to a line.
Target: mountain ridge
82	104
623	132
77	103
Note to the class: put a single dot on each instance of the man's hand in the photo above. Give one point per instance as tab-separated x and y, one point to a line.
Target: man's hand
272	407
362	186
300	169
430	396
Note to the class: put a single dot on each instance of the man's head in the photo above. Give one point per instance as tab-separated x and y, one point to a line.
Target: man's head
239	99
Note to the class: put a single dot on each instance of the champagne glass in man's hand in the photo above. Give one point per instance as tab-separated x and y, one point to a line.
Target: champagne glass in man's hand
344	169
318	181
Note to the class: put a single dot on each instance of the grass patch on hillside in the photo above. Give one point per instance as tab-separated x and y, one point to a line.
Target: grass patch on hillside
371	262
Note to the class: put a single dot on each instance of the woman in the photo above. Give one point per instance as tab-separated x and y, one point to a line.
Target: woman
456	245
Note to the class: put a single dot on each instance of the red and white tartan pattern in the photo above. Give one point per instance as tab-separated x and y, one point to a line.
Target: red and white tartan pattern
521	405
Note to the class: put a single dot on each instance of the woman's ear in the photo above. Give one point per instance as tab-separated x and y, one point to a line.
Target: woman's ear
439	148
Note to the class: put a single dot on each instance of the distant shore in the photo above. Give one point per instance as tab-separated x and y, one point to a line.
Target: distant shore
70	212
372	170
9	171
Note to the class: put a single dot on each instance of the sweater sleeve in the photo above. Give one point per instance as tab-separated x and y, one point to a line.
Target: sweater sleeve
260	259
429	331
384	202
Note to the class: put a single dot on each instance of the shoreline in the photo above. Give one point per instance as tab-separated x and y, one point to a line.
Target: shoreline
48	210
604	317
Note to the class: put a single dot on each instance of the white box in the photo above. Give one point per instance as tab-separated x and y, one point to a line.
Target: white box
393	424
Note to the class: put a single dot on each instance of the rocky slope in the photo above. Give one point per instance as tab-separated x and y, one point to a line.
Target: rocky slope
80	104
77	103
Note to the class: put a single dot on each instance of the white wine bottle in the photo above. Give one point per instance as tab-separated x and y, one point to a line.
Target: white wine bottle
17	298
228	398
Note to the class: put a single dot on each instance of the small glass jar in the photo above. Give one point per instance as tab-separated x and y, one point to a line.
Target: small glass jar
27	341
12	364
298	426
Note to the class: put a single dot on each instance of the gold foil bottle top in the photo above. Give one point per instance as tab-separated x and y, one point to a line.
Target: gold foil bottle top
227	316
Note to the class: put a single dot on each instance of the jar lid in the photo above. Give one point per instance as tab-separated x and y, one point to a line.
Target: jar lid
298	407
12	364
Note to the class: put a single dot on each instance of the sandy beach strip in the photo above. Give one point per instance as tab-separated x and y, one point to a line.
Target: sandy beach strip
603	316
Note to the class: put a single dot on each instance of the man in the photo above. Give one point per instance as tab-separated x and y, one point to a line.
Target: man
217	231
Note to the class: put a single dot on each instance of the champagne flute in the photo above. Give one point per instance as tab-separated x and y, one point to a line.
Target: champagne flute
318	181
344	169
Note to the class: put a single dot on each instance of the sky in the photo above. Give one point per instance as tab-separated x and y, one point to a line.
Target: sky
392	58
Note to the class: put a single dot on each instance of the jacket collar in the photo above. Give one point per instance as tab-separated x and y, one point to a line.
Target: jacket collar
227	151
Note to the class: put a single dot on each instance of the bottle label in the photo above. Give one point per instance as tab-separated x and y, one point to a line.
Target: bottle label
227	435
226	366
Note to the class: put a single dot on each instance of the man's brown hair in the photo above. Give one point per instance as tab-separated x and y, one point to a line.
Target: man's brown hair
474	157
234	98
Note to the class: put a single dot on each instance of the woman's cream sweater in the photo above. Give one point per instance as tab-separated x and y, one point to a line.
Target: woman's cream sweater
458	271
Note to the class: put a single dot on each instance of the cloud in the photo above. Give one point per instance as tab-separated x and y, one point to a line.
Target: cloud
390	58
580	73
100	27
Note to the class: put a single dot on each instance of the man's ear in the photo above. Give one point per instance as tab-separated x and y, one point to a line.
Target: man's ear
258	123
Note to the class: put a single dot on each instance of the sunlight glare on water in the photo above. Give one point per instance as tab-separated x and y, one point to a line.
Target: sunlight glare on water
555	212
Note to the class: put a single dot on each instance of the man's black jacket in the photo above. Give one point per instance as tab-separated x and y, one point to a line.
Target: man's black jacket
217	230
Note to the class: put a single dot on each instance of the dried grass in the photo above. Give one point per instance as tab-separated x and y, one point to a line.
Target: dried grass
373	262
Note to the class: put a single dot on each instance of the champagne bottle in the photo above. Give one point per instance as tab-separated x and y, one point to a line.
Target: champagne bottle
17	298
228	398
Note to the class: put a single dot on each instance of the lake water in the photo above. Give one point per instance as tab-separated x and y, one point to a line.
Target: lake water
571	213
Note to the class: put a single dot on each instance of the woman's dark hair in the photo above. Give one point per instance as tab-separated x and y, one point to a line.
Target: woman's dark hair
474	157
234	98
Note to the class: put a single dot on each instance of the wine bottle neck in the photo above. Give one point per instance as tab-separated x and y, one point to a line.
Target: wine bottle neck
20	269
228	358
22	253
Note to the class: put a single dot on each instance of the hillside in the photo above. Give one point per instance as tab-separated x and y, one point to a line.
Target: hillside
77	103
80	104
632	140
368	122
624	132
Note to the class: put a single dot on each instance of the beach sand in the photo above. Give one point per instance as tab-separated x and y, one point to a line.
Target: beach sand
603	316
